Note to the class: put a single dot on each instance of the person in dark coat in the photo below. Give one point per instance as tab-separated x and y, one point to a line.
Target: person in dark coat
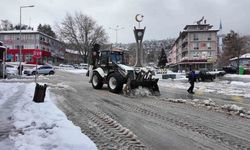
20	71
93	60
191	80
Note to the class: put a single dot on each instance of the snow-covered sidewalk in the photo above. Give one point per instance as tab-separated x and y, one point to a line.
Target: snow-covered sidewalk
37	126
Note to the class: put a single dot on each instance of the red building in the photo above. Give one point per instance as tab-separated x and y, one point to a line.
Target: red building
33	43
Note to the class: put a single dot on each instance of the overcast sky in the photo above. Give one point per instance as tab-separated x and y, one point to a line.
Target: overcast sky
163	18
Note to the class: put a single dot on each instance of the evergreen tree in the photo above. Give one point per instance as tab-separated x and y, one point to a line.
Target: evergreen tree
46	29
162	59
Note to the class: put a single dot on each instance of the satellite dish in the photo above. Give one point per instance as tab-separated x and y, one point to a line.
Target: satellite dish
139	17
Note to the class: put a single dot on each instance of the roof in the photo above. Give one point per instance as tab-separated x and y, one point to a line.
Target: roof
245	56
72	51
26	32
187	31
185	28
2	47
18	31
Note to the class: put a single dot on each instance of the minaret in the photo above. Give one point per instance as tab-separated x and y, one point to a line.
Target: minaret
220	38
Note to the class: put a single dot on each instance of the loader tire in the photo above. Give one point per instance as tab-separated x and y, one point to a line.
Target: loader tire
115	83
97	82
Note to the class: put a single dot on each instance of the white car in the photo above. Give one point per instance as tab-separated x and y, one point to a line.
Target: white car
83	66
45	69
11	70
65	66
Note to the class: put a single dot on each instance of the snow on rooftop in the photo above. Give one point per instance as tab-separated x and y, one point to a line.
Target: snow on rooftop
72	51
18	31
247	55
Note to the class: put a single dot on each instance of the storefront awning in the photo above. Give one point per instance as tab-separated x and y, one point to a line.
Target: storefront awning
2	48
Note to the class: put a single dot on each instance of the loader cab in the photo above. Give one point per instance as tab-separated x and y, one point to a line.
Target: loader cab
107	59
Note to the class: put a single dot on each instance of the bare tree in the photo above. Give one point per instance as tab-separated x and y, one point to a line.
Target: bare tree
81	31
233	47
6	25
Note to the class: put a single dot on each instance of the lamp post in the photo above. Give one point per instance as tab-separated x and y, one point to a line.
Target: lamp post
20	47
116	29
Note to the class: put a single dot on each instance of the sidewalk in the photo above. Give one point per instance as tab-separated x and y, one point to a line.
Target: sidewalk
28	125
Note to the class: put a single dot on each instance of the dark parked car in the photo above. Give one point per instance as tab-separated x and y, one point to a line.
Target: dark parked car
230	69
204	75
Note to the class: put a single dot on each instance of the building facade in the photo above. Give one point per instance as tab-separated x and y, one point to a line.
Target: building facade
72	57
196	47
32	43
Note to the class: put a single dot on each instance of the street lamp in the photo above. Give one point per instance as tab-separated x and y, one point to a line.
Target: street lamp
116	29
20	47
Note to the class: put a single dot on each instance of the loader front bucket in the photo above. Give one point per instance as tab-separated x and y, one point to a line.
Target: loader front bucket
150	84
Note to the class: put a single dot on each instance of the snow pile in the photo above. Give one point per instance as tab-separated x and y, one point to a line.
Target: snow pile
141	91
236	77
230	109
42	125
76	71
178	100
208	102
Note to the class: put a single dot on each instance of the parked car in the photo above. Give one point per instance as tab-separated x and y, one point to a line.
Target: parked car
66	66
230	69
45	70
76	66
11	70
204	75
217	72
83	66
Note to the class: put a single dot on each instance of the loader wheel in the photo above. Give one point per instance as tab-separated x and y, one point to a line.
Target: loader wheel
97	81
115	83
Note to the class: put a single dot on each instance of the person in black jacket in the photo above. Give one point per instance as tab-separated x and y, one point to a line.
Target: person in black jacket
191	80
93	60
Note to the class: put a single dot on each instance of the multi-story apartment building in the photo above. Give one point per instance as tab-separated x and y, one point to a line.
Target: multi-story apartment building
51	50
196	47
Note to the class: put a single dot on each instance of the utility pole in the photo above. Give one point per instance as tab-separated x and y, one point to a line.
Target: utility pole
20	41
116	29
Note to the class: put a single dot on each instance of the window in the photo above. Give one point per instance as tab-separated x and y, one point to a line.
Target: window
209	54
196	37
209	36
28	58
116	57
195	54
196	45
209	45
17	57
104	58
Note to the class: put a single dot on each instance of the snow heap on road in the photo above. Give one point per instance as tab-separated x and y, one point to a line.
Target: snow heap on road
39	126
230	109
75	71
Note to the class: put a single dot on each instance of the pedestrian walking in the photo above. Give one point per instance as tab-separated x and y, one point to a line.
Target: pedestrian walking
20	71
191	80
